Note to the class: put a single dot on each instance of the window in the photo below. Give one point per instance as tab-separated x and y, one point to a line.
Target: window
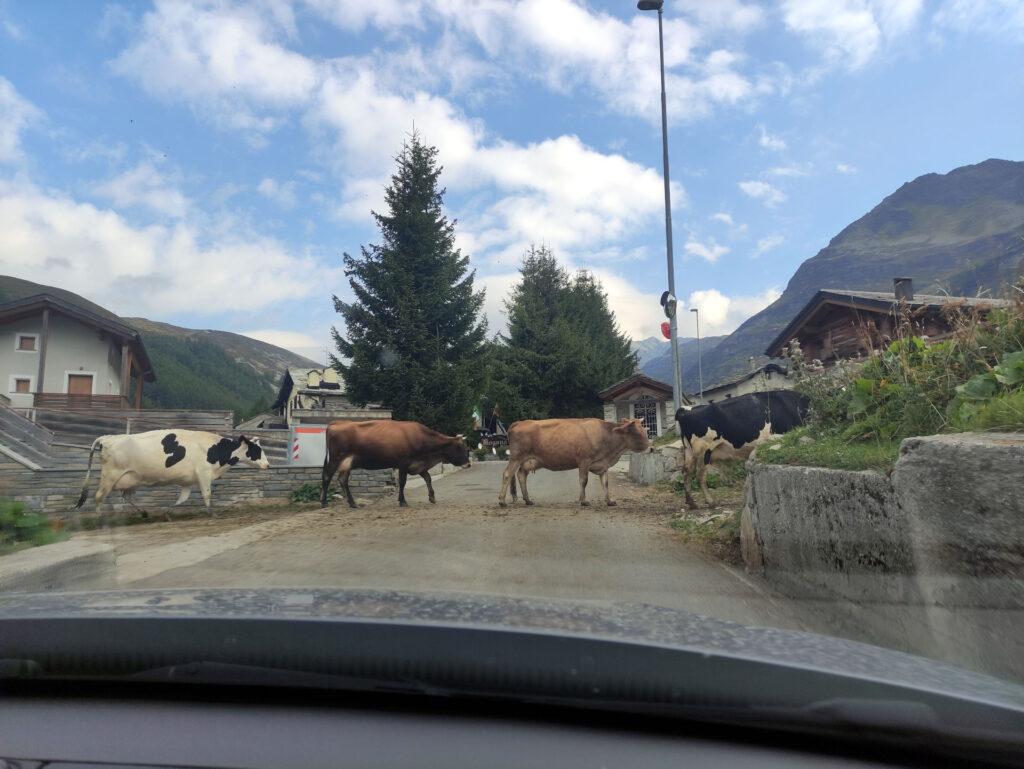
26	342
22	385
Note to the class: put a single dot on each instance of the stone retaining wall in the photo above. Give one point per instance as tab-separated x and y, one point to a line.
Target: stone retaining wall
929	559
56	491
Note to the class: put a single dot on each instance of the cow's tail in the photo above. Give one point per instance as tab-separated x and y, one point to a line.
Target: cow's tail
96	446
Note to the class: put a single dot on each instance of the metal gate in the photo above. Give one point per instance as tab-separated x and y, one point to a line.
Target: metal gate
646	410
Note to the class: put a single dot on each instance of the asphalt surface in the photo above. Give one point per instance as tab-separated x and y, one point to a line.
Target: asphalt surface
466	543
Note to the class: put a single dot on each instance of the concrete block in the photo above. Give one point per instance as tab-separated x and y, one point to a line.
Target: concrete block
72	565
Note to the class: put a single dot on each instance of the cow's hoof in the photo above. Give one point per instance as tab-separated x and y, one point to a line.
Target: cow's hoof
502	504
584	504
528	502
403	504
433	501
612	504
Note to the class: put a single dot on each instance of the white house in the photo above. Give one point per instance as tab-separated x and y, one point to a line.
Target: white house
59	350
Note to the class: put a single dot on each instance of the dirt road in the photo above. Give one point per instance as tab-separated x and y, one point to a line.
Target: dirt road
464	543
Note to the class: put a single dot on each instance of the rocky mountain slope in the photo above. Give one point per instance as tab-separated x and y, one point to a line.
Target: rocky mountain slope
960	233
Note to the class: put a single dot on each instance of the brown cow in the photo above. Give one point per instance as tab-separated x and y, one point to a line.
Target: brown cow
587	445
382	443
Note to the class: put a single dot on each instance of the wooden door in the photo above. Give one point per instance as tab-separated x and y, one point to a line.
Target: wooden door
79	384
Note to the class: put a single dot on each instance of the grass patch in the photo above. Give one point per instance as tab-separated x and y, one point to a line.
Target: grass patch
21	529
720	534
307	492
831	451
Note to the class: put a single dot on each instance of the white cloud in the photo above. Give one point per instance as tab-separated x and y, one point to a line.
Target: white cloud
155	269
986	16
721	314
792	169
850	32
298	342
710	251
222	58
770	141
769	195
846	168
282	194
566	45
767	243
143	186
558	191
17	115
728	221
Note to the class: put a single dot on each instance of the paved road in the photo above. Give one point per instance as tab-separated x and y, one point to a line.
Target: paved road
555	549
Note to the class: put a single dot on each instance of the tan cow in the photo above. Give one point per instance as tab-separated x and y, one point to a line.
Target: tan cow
586	445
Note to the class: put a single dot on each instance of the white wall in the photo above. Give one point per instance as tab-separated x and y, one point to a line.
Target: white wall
73	347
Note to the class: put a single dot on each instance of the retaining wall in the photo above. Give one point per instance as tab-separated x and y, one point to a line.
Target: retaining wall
56	491
929	559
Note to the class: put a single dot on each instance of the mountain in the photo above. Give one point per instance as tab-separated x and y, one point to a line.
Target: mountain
960	233
660	367
649	348
197	369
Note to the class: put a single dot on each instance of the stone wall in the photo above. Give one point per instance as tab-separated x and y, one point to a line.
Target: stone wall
929	559
650	467
56	491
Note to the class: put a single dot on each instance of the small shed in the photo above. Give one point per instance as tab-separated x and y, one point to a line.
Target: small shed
640	397
771	376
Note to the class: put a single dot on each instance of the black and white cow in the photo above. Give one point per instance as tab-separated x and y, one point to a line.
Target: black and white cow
184	458
732	428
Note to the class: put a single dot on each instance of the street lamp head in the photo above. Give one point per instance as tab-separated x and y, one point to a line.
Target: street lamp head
694	309
650	5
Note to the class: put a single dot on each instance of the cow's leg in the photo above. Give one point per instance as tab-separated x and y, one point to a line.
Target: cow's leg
689	472
521	475
425	475
604	483
512	488
584	477
343	477
403	474
702	474
330	468
510	472
186	492
106	486
204	489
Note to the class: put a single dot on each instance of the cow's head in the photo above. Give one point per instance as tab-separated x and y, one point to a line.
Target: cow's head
457	452
251	452
635	434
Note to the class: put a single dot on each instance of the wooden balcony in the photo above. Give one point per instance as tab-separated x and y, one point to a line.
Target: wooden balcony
84	402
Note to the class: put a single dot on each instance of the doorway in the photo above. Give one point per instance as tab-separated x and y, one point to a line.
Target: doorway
80	384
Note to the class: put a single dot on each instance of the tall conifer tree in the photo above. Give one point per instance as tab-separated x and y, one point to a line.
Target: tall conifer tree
414	336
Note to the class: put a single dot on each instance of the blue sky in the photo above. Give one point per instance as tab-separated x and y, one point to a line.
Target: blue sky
207	163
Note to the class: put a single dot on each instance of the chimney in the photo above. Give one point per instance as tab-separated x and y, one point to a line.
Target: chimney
904	289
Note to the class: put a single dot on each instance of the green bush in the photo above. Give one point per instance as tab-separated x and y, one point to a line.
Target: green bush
21	528
307	492
971	380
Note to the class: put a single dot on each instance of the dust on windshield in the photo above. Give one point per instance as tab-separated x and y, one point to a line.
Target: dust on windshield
565	300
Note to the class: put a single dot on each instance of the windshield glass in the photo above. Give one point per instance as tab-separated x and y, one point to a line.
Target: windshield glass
716	308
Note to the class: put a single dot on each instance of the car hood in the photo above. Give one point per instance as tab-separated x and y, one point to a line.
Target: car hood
640	624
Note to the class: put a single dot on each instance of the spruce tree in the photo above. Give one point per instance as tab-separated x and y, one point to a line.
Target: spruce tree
414	336
563	344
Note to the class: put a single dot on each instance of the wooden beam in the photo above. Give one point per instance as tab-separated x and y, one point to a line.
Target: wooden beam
43	344
126	370
138	389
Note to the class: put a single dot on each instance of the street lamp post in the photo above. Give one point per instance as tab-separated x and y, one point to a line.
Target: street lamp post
677	385
700	363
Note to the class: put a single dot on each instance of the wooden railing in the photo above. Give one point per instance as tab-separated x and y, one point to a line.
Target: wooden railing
89	402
